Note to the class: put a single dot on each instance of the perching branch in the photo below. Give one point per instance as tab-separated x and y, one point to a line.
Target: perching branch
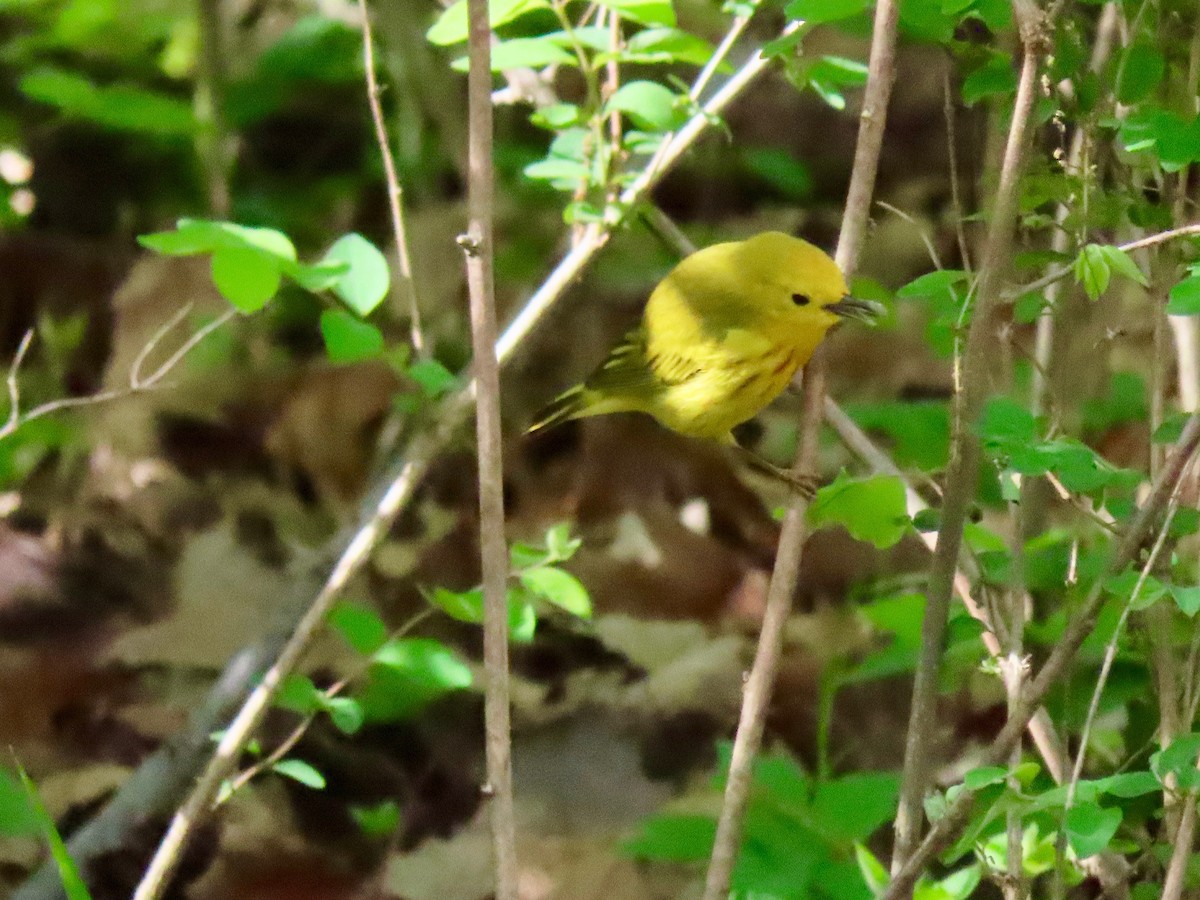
962	467
478	244
395	190
1080	625
786	575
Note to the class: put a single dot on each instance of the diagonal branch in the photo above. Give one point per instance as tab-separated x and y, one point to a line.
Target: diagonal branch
757	693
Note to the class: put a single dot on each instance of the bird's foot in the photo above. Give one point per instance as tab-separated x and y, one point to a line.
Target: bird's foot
803	484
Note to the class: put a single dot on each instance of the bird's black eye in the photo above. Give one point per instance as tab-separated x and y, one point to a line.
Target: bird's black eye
801	299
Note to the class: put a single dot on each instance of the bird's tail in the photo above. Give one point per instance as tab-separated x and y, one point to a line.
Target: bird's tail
568	405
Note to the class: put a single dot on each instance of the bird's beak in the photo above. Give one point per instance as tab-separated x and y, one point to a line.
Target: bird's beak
853	308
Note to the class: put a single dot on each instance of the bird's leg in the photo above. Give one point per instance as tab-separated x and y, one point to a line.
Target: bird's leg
804	485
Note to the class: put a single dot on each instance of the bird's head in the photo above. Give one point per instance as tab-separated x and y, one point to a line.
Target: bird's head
799	282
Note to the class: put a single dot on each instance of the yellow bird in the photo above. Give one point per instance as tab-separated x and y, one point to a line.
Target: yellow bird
721	337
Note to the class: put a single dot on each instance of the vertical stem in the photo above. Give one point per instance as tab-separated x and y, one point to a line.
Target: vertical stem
213	139
963	465
784	579
395	190
478	245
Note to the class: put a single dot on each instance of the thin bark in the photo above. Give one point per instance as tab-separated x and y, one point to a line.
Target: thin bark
786	575
213	141
478	244
395	189
1058	663
962	468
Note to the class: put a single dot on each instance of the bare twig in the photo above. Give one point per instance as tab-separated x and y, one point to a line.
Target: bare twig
138	384
398	486
1078	628
395	190
956	204
478	244
757	693
213	141
961	470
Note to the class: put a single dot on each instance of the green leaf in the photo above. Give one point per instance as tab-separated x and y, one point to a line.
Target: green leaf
873	871
648	104
644	12
938	285
18	817
556	116
1128	784
663	45
994	78
1185	298
193	236
317	277
366	283
348	339
1187	599
346	713
1179	759
559	542
465	606
852	808
430	661
559	587
299	770
982	777
1122	587
432	378
871	509
68	871
1005	423
522	617
519	53
451	26
818	12
118	107
1122	263
1090	827
839	70
246	277
377	821
1142	68
299	694
360	627
1092	271
674	838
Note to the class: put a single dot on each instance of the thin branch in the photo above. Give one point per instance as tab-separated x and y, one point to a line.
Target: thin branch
956	204
1065	271
921	230
137	383
396	491
479	245
962	468
213	142
1078	627
395	190
784	578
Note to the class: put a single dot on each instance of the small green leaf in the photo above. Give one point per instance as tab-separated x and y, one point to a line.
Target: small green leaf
348	339
377	821
451	26
938	284
650	105
994	78
872	870
1187	599
1122	263
432	378
1092	271
465	606
366	283
1141	69
1006	422
980	778
317	277
1179	759
556	116
68	871
522	618
1090	827
18	818
246	278
523	53
644	12
1128	784
559	587
299	770
818	12
1185	298
674	838
871	509
346	713
432	662
1122	587
361	628
560	543
299	694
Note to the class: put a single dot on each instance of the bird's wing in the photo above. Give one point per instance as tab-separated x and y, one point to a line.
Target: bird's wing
631	369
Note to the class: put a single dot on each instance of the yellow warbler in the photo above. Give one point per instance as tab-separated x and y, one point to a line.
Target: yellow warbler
722	335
